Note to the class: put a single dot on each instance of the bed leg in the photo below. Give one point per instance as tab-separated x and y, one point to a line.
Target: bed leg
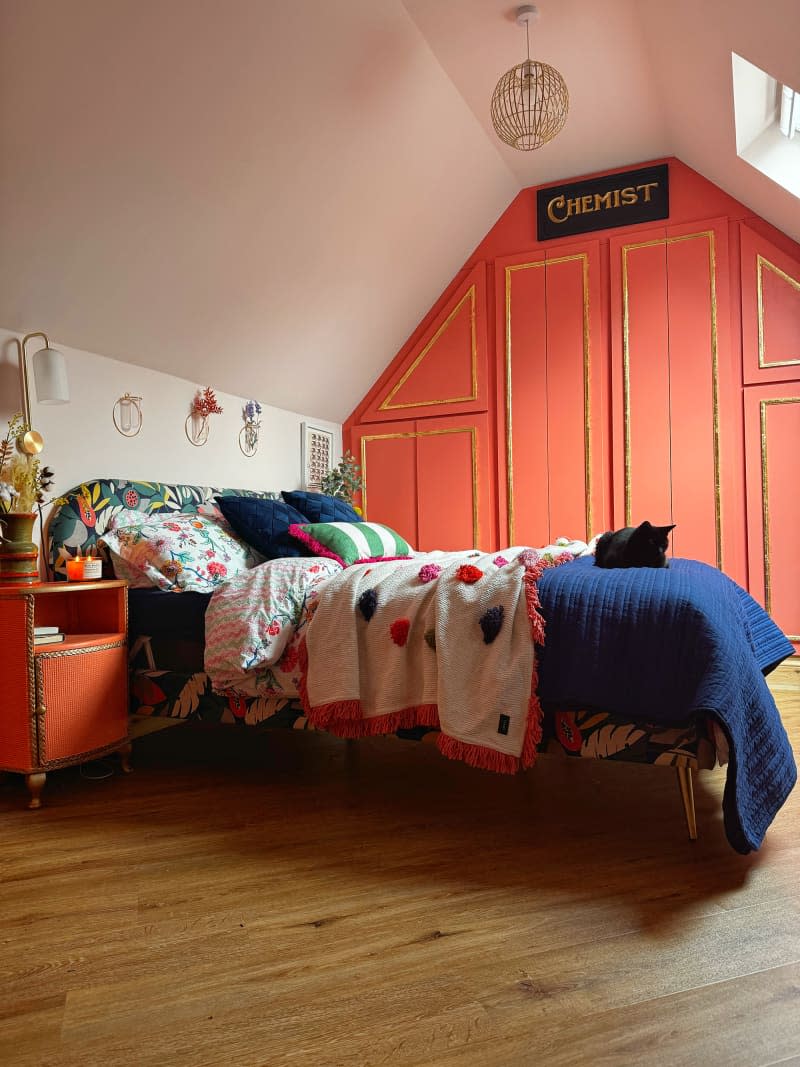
687	796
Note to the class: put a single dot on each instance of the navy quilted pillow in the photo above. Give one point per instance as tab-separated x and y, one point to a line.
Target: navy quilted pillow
317	507
263	524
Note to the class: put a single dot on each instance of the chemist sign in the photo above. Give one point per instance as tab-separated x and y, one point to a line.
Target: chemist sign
601	203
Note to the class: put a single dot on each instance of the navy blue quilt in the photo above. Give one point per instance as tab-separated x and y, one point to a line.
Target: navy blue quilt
666	645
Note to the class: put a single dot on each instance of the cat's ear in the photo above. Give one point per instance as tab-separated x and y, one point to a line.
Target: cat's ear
647	528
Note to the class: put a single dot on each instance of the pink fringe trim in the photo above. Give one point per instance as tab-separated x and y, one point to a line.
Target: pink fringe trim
344	718
534	568
327	717
300	534
477	756
297	531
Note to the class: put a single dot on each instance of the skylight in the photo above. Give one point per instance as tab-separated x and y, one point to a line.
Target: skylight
767	117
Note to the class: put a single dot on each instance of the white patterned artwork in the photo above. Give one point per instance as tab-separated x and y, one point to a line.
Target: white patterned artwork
317	455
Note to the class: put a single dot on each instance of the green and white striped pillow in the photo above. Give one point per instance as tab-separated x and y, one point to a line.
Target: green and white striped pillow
351	542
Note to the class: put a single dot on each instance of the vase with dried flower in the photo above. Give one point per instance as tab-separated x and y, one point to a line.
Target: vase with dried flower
248	435
23	483
203	405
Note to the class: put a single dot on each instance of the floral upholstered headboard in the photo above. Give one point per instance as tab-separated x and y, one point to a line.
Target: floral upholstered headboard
83	514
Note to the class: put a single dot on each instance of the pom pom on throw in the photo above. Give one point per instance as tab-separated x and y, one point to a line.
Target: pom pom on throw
429	572
399	631
367	603
529	558
500	561
469	574
491	622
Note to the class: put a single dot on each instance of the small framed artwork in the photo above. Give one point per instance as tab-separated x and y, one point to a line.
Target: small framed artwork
316	455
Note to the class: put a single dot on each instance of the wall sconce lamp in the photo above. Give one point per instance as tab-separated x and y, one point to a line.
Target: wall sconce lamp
50	376
127	415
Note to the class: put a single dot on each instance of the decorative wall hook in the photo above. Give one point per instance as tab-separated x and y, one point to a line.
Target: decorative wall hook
248	435
196	424
127	415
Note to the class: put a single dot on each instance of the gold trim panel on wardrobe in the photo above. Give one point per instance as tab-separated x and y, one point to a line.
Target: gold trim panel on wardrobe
708	235
509	270
764	406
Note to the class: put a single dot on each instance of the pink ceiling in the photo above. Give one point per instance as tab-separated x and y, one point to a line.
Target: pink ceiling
267	196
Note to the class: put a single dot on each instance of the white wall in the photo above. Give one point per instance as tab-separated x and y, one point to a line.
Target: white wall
81	442
690	53
288	184
756	100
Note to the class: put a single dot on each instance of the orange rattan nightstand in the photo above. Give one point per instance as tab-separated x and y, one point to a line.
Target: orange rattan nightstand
65	703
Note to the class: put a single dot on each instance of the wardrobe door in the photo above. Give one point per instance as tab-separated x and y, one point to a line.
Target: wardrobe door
454	484
442	367
522	347
770	310
552	366
699	316
430	480
387	453
772	429
672	386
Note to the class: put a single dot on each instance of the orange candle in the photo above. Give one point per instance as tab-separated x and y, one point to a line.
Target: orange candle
75	569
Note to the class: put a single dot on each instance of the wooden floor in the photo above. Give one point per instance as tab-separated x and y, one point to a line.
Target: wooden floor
247	899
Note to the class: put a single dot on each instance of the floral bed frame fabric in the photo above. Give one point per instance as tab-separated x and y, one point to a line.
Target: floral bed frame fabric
584	734
85	513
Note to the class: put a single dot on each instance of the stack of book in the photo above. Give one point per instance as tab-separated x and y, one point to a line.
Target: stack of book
47	635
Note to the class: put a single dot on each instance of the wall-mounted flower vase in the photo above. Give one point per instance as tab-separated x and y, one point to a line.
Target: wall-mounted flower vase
196	425
248	435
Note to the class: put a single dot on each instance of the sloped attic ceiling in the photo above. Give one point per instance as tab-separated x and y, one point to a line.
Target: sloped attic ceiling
267	196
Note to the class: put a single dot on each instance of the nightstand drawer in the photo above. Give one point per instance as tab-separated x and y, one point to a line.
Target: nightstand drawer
81	699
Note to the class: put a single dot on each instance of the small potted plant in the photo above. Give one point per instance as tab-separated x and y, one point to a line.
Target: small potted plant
344	481
23	483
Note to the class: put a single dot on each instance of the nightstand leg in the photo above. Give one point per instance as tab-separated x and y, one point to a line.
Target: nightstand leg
35	783
125	757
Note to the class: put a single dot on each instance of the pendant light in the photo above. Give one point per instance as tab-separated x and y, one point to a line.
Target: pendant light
531	101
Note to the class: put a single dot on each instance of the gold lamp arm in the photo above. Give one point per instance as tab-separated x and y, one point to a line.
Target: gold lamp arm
31	441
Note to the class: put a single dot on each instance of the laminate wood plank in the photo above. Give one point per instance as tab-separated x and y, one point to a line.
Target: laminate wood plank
265	900
748	1022
22	1019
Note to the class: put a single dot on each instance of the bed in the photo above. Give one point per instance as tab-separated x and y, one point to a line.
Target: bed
647	666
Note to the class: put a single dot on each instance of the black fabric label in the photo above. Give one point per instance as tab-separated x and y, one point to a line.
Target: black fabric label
503	724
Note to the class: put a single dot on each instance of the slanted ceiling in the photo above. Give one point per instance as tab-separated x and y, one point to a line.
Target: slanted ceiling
267	196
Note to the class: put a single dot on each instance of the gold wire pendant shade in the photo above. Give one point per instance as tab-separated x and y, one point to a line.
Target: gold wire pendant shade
531	101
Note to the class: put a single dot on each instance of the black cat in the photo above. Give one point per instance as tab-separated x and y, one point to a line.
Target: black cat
634	546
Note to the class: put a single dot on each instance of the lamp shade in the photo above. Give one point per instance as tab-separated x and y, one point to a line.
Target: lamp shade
529	105
50	376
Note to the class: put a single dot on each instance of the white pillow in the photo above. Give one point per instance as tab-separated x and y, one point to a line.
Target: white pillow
178	551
